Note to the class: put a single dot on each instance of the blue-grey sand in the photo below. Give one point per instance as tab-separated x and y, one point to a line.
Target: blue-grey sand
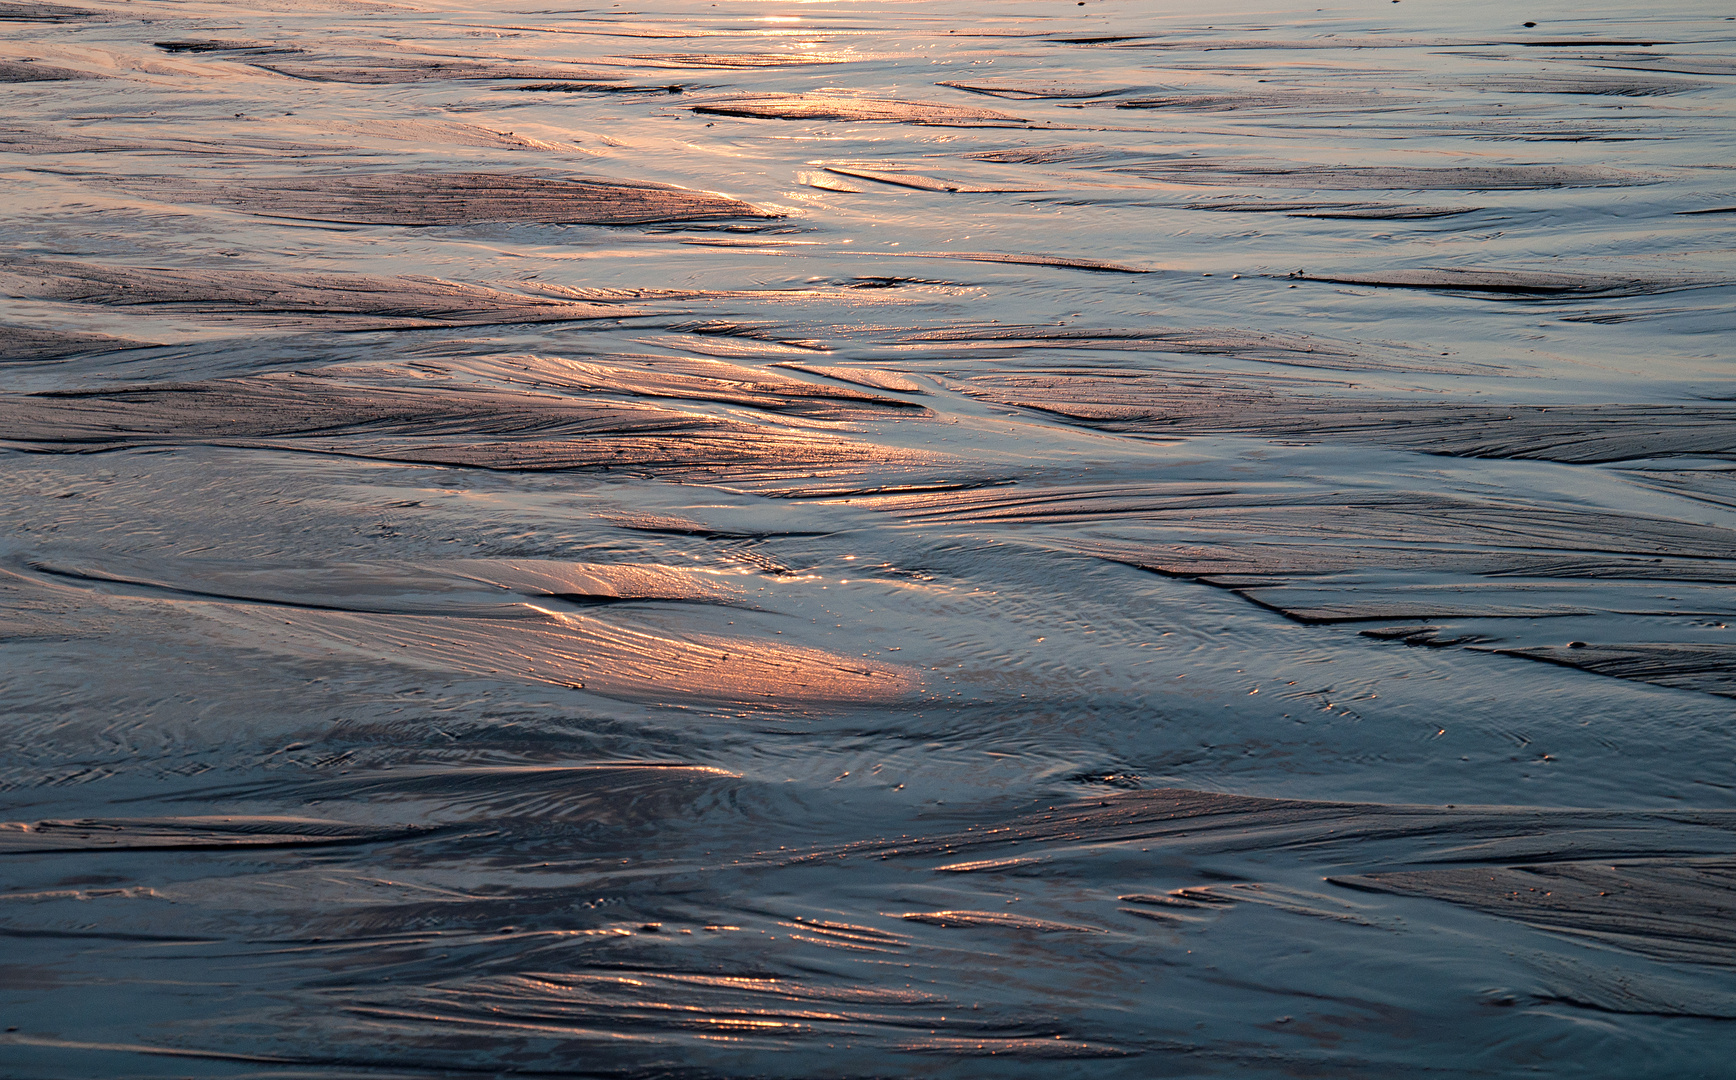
794	539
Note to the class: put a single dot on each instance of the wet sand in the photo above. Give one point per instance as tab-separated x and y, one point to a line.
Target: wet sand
1032	539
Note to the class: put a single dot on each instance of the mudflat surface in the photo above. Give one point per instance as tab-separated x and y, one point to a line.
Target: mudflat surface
914	539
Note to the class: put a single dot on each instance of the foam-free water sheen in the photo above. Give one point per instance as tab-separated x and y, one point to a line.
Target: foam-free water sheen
837	540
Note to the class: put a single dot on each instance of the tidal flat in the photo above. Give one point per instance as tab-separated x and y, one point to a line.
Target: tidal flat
1271	472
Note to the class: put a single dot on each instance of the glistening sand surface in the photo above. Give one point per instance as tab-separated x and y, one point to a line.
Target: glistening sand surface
844	540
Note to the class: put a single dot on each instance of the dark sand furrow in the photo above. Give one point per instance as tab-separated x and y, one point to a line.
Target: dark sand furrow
158	589
902	178
1709	669
43	140
1261	205
32	343
1207	338
1463	535
1232	171
733	61
452	587
49	13
1716	487
1682	911
525	799
1031	259
1038	91
311	300
185	834
392	70
1675	65
469	425
847	107
1357	43
1372	178
1251	554
1003	920
1591	85
688	379
1397	213
1336	605
222	45
1329	210
1583	434
452	198
482	428
19	71
873	378
969	340
1517	282
769	464
1429	637
570	87
1209	821
1314	102
282	407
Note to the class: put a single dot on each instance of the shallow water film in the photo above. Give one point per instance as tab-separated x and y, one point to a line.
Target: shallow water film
821	539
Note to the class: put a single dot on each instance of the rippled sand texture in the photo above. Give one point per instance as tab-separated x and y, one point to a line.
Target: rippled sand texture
842	540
